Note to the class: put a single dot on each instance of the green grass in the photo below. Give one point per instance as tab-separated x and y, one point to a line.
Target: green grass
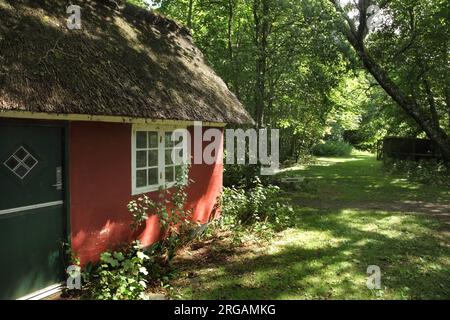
350	215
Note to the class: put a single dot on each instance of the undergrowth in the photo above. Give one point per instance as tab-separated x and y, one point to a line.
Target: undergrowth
424	171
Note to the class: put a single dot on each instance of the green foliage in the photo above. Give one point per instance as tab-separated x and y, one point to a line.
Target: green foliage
290	65
278	57
430	172
70	255
255	212
120	275
173	216
355	217
139	3
405	48
240	175
124	273
333	148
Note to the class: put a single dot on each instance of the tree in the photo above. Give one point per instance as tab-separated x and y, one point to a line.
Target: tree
407	54
139	3
278	56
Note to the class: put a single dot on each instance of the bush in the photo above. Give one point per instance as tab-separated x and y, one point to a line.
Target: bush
254	212
123	274
332	149
173	216
120	275
424	171
174	219
240	175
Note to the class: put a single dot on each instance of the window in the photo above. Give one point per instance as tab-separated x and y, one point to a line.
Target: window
152	163
21	162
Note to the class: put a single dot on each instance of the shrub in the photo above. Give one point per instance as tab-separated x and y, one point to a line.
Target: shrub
332	148
424	171
240	175
254	212
124	273
173	216
120	275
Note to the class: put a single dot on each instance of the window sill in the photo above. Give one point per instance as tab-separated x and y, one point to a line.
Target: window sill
140	191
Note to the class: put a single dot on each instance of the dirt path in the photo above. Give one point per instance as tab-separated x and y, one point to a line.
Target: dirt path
361	183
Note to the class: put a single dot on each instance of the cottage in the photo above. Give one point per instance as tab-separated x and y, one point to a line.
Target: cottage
84	116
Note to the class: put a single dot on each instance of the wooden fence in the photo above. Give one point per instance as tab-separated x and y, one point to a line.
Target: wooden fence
407	149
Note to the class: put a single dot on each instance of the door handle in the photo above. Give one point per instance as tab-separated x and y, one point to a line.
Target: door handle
58	184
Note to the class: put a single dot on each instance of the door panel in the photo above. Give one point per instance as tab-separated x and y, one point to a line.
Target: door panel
45	145
32	223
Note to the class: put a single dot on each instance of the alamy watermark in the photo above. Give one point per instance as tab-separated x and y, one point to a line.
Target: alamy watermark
74	20
252	146
374	279
74	277
262	147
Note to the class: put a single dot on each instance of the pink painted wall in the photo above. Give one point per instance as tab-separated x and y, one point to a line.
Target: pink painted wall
100	189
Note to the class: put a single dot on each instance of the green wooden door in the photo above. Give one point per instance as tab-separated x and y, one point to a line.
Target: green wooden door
32	223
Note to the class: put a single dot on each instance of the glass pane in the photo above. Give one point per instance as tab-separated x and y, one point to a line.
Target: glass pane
168	156
21	171
168	140
21	153
141	178
141	139
30	161
178	140
153	176
153	139
152	158
11	163
141	159
170	174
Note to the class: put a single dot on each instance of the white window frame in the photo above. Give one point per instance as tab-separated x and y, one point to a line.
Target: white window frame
161	130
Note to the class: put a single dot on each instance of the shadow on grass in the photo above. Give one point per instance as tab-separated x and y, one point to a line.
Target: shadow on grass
361	183
336	237
326	257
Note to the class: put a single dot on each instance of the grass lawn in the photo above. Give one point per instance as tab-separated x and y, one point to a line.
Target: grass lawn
350	214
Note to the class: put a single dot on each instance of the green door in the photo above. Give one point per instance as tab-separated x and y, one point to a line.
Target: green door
32	223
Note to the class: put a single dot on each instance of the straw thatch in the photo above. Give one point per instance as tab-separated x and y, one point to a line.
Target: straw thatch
125	61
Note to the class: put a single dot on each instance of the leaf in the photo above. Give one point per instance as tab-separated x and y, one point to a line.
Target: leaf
143	270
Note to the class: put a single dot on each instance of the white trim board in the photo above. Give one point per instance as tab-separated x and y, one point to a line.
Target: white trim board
31	207
85	117
43	293
160	130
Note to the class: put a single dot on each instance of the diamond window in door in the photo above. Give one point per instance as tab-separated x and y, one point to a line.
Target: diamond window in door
21	162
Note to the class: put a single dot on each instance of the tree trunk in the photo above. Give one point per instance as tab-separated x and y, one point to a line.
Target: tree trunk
189	17
447	103
231	55
355	37
261	19
410	106
432	103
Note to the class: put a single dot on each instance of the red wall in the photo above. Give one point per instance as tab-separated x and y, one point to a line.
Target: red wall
100	189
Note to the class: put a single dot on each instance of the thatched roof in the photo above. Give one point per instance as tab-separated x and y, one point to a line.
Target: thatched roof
125	61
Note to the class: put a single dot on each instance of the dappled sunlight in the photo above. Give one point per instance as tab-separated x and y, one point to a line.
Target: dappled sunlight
330	161
363	185
404	183
295	168
317	262
308	239
344	222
